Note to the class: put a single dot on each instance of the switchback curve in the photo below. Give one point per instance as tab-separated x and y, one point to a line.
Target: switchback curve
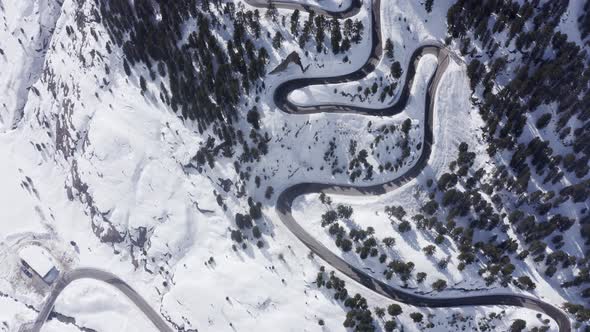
99	275
286	197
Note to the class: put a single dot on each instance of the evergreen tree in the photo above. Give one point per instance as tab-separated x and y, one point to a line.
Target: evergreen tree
543	121
357	31
416	317
439	285
390	325
345	46
517	325
396	70
428	5
389	48
295	22
336	36
271	12
126	67
348	25
320	33
277	40
394	309
142	84
253	118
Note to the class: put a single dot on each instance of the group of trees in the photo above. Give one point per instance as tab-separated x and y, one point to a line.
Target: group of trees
559	78
366	245
358	316
396	67
246	222
381	148
205	78
542	68
200	77
342	36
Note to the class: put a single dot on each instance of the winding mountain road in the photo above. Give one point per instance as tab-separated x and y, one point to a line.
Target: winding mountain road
106	277
286	197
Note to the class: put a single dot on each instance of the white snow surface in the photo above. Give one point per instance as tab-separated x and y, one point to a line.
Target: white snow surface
100	307
401	24
129	150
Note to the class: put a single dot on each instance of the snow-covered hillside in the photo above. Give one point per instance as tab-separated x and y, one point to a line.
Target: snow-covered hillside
113	159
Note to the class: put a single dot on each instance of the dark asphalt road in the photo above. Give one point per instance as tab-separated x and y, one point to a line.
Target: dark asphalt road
100	275
286	198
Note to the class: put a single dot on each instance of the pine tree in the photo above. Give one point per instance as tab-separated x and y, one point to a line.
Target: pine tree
272	12
295	23
357	31
517	325
336	36
348	28
305	35
277	40
389	48
253	117
345	46
394	309
320	33
126	67
428	5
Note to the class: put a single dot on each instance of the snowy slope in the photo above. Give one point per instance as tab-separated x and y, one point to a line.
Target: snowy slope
26	33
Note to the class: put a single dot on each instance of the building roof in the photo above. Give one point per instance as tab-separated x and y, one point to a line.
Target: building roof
38	259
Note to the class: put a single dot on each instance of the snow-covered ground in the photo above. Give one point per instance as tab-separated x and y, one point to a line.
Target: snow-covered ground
569	21
26	29
449	128
453	94
94	162
316	64
402	23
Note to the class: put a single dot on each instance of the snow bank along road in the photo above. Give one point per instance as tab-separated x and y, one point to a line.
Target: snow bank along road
287	197
107	277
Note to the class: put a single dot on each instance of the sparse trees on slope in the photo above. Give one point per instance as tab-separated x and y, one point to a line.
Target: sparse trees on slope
396	70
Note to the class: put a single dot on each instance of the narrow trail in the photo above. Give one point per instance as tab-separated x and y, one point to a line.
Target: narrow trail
287	196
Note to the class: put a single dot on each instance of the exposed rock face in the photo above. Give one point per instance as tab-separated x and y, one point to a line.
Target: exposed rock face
291	58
